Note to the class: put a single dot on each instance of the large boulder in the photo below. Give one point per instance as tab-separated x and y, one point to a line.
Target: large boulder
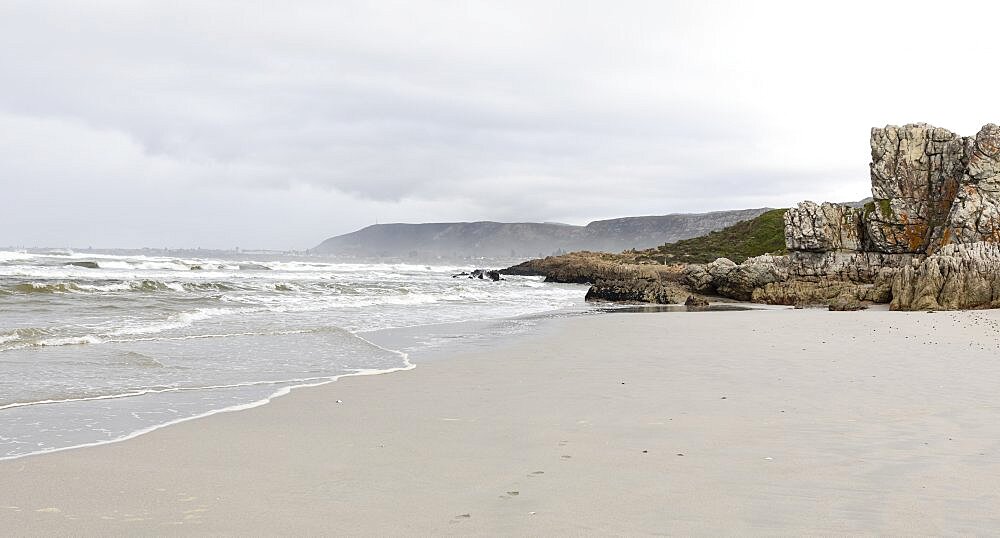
916	171
957	277
728	279
697	277
638	291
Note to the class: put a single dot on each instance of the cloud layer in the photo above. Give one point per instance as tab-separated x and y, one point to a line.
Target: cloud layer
277	124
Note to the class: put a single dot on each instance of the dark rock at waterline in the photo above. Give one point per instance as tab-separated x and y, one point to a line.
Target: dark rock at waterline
86	265
483	274
695	300
846	304
590	268
637	291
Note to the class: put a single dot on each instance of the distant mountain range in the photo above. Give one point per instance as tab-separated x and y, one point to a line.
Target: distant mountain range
526	239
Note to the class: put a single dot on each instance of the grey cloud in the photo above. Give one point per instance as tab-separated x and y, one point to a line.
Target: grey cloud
224	111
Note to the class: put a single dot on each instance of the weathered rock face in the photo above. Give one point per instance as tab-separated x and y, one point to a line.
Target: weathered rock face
957	277
590	268
824	227
728	279
638	291
915	171
928	239
975	213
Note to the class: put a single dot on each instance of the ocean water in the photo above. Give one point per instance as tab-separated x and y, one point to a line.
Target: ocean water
96	348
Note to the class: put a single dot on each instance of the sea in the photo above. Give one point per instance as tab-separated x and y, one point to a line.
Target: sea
102	347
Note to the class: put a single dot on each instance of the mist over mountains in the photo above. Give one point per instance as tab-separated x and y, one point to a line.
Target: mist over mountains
525	239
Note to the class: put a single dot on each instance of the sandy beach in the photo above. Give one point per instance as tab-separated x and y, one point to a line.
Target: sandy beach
771	422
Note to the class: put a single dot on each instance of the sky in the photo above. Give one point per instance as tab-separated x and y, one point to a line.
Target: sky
278	124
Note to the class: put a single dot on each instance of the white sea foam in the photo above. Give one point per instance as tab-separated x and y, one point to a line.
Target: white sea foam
70	341
118	286
13	256
219	326
11	337
287	388
178	321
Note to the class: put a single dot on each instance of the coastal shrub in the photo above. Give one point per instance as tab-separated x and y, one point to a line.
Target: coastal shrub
762	235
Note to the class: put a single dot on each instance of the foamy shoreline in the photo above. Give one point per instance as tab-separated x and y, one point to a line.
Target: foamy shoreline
96	348
789	422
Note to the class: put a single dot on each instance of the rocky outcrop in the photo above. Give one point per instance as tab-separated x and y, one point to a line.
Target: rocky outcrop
696	301
613	277
927	239
484	274
915	172
957	277
827	227
592	267
725	278
638	291
846	304
975	213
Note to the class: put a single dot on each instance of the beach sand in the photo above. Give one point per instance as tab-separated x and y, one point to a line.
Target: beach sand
772	422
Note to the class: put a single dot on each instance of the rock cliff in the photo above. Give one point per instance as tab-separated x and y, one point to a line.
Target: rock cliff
927	240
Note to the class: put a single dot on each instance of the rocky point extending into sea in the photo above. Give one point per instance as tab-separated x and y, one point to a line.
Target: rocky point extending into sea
928	240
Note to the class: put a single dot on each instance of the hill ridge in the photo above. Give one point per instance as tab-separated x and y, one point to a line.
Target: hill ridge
527	239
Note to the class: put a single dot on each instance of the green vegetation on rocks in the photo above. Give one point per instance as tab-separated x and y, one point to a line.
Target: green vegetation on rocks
762	235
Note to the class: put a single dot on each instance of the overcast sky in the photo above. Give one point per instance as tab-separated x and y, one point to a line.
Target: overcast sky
278	124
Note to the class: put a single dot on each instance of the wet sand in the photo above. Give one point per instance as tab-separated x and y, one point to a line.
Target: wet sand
706	423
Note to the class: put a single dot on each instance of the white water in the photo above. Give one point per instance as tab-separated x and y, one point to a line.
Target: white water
93	355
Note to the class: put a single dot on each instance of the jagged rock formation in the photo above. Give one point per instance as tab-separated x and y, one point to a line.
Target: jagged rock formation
726	278
590	267
927	240
612	277
823	228
640	291
957	277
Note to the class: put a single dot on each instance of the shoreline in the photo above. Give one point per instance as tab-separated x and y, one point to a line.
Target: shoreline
287	387
787	421
376	338
384	337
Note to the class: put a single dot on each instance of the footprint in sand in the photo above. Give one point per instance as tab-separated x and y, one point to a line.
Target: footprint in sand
510	494
536	473
563	443
459	518
565	457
